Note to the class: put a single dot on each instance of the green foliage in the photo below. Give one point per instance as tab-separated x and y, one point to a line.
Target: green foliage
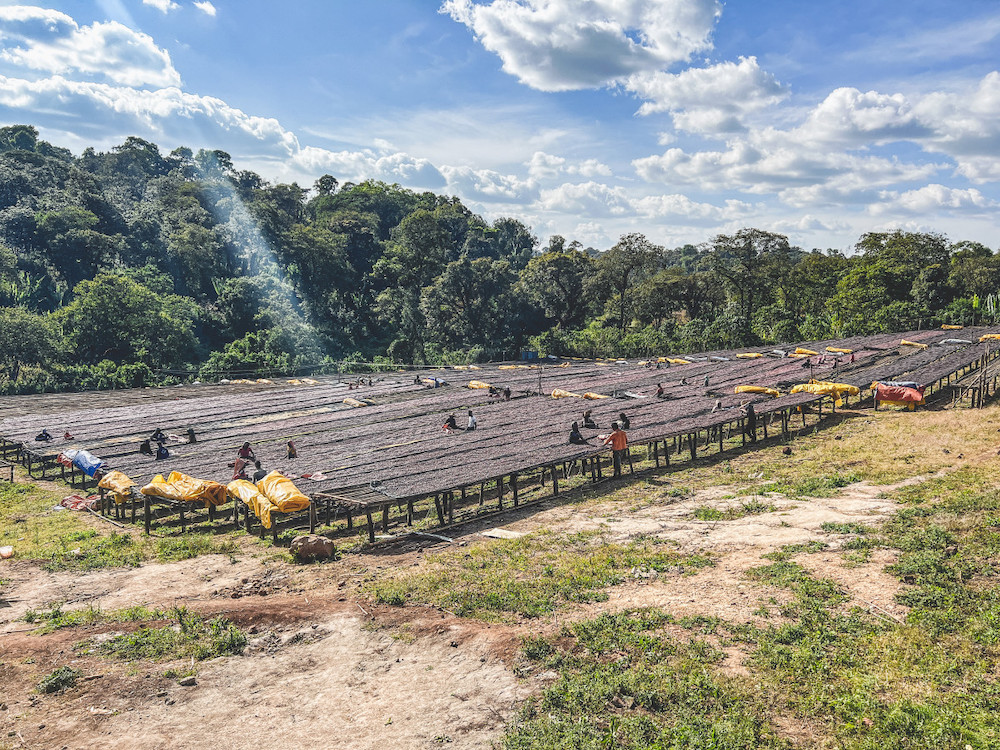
190	637
59	680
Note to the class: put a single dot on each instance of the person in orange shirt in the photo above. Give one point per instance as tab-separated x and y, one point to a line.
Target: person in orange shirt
619	443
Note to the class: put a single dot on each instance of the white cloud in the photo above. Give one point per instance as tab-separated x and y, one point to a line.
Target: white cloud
560	45
709	100
488	185
932	199
52	43
677	205
543	166
164	6
206	7
587	198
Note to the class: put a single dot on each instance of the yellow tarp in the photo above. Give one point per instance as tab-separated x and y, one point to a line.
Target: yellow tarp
825	388
187	489
517	367
678	361
806	352
757	389
282	493
564	364
947	327
749	355
594	396
479	384
560	393
119	485
248	493
836	350
904	342
354	402
988	336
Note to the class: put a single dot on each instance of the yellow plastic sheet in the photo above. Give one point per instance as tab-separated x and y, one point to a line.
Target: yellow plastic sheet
479	384
249	494
757	389
354	402
560	393
678	361
836	391
988	336
947	327
594	396
186	489
837	350
119	485
749	355
806	352
282	492
904	342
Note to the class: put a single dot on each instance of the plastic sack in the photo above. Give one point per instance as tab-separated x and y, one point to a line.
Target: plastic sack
838	350
757	389
87	462
282	493
354	402
807	352
947	327
560	393
917	344
119	484
478	384
835	391
749	355
594	396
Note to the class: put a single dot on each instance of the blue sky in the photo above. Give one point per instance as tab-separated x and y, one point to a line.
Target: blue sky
680	119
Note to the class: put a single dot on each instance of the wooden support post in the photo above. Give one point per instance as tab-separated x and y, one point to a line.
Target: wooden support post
666	455
803	410
312	517
439	509
693	444
451	507
656	453
183	522
371	525
482	488
555	481
720	438
743	431
146	512
350	518
597	463
513	484
628	455
409	512
132	501
765	429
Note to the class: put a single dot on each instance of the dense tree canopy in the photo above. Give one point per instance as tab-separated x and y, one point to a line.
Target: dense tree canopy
132	266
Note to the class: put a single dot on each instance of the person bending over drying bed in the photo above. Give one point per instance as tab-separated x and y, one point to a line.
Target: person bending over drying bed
450	425
575	436
246	453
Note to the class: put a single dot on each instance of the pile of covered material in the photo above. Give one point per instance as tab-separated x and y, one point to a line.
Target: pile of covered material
478	384
800	352
757	389
182	488
836	391
85	461
275	493
901	393
560	393
119	484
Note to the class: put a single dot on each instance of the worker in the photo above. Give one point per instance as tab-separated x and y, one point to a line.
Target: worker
162	452
67	436
416	379
259	473
717	405
506	393
472	421
43	436
659	390
623	421
684	381
158	436
750	427
240	469
146	448
588	421
192	438
575	436
290	451
246	453
705	383
619	443
450	425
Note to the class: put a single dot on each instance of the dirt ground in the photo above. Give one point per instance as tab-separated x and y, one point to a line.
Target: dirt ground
324	666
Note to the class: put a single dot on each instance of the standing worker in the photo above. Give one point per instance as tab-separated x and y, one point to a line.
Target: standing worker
751	424
472	421
619	444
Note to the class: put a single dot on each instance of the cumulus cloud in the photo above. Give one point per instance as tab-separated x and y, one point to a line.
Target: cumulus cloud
51	43
164	6
586	198
561	45
206	7
543	166
932	199
681	206
714	99
488	185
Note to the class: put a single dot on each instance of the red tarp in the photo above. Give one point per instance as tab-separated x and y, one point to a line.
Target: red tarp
898	393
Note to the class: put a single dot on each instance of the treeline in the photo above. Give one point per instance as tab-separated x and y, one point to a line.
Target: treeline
133	267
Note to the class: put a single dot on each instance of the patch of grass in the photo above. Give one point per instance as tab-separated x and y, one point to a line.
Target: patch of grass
744	509
823	485
624	683
54	618
190	636
59	680
852	527
790	550
529	576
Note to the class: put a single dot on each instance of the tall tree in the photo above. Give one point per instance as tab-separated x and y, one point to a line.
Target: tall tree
622	267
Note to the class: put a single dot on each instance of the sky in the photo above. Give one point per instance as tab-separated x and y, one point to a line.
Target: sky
679	119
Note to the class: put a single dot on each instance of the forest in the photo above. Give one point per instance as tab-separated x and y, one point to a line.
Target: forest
133	267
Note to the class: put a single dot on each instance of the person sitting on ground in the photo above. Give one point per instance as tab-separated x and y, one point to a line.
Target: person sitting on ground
623	421
618	442
472	421
67	436
259	473
588	421
158	436
246	452
416	380
192	438
43	436
450	424
290	451
575	436
659	390
506	393
684	381
146	448
162	452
